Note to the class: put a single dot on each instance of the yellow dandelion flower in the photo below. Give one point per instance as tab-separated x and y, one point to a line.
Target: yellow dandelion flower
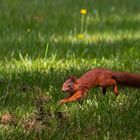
81	36
28	30
83	11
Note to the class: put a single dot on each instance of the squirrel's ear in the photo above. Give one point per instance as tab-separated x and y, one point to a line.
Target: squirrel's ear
73	78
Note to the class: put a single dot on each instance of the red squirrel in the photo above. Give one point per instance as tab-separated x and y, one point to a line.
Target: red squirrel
98	77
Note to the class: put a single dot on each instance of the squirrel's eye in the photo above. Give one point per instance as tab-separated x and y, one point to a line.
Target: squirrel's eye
69	85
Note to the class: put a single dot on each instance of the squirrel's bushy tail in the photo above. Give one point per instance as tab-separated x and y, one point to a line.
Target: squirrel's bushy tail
127	79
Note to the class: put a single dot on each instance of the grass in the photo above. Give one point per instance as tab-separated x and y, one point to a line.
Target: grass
42	43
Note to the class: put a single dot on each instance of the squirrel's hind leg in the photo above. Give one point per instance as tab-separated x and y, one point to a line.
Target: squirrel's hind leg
104	90
107	83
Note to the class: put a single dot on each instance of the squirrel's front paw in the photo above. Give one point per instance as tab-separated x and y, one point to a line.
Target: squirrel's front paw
62	101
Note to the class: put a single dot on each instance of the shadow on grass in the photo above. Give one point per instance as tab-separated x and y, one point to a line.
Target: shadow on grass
105	112
21	90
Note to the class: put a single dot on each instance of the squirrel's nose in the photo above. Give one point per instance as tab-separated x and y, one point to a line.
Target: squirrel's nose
63	89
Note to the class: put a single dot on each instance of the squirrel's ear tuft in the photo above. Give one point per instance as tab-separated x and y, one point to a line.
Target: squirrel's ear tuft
73	78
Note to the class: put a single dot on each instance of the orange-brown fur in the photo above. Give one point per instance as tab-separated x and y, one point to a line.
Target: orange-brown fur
98	77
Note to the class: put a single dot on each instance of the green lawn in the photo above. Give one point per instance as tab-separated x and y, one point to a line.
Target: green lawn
42	42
